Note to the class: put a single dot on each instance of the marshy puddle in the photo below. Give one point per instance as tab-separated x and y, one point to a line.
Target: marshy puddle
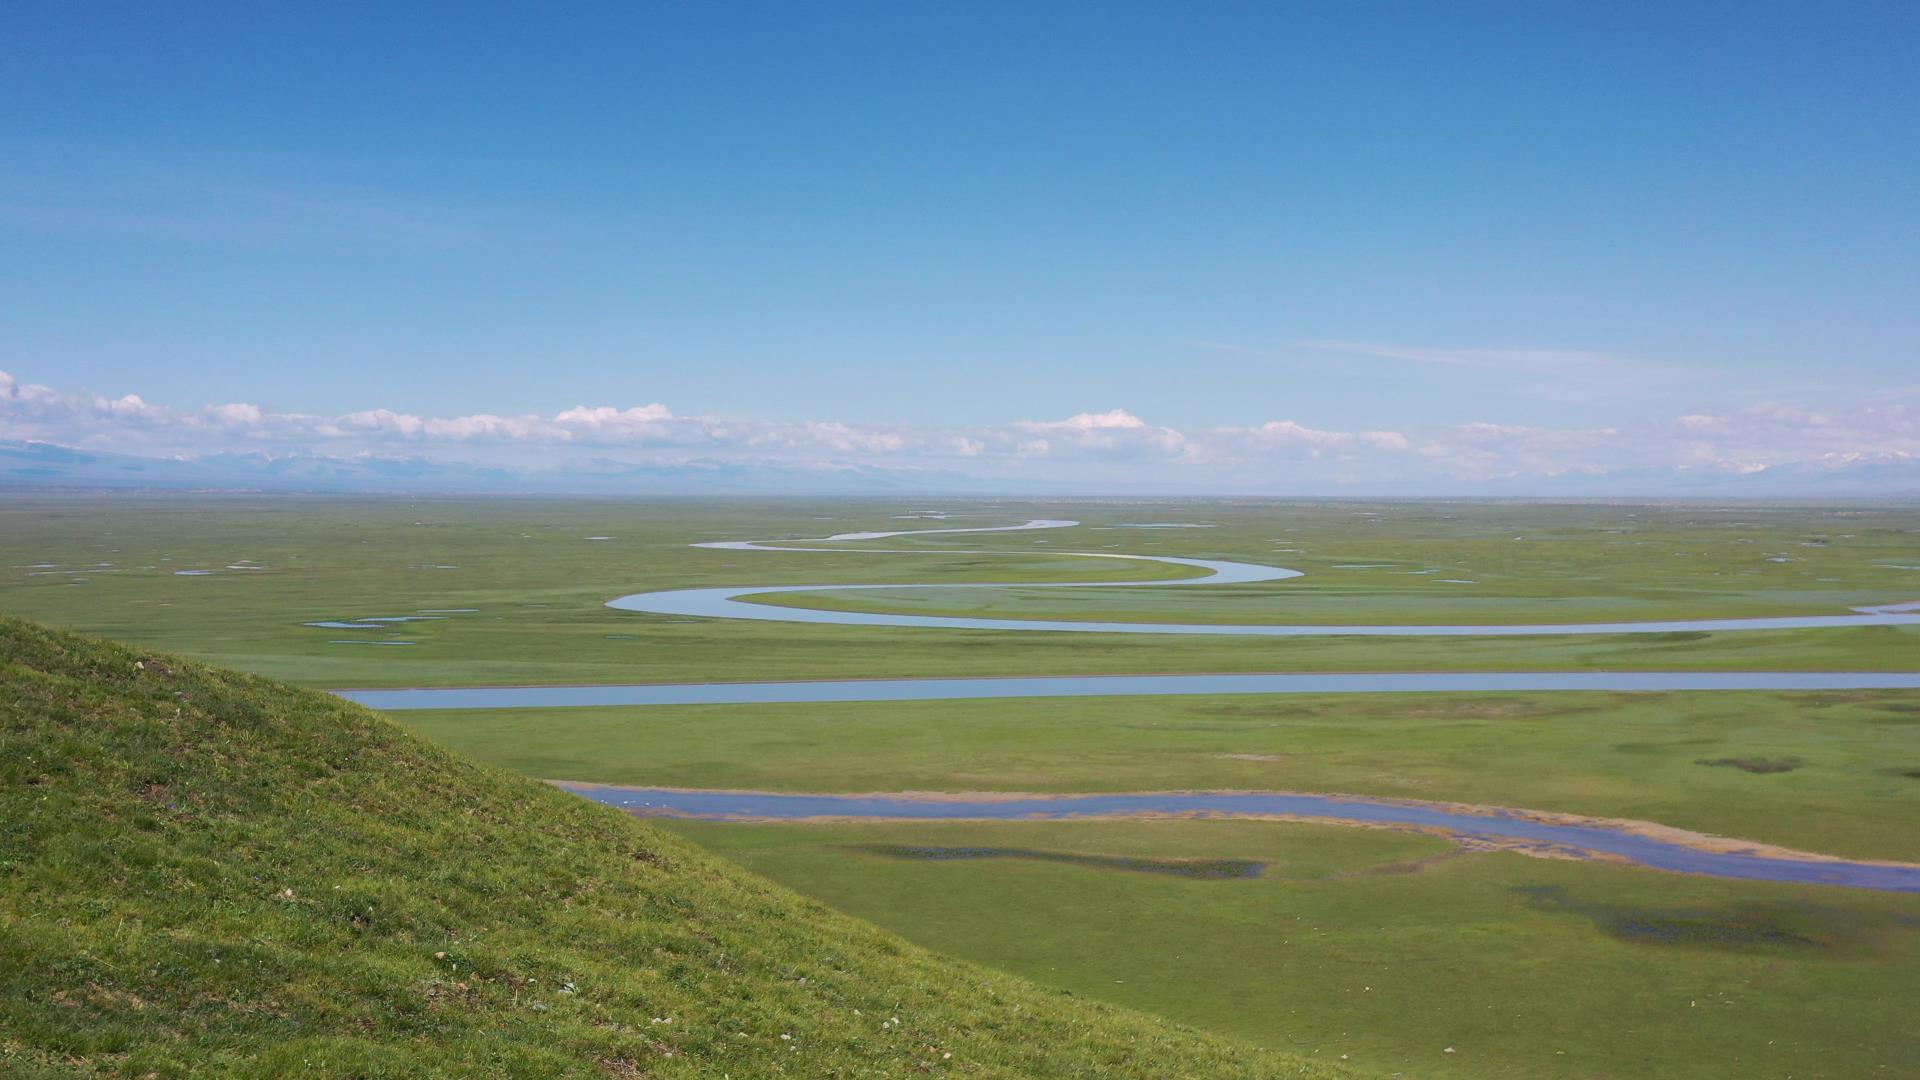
1770	927
382	622
1197	869
375	622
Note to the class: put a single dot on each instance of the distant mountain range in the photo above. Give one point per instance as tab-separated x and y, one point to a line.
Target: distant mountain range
1888	477
47	466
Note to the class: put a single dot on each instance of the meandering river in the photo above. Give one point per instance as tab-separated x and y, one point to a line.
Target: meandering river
726	602
1526	831
1551	836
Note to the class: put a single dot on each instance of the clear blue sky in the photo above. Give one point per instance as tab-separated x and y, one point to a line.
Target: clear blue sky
1354	217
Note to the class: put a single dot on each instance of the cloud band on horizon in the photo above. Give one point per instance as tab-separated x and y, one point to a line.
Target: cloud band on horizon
1091	446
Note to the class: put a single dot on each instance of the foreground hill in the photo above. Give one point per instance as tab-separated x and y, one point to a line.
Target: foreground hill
204	874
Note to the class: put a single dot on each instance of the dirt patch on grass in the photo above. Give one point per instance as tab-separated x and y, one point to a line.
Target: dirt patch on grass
1250	712
1476	708
1188	727
1662	747
1493	708
1874	699
1901	713
1754	764
1197	869
1405	866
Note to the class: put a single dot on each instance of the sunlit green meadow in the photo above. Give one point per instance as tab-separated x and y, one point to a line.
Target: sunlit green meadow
1524	967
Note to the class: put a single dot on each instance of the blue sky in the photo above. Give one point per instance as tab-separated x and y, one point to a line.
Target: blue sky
889	232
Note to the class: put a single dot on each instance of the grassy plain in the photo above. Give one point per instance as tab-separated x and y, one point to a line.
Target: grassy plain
539	583
1383	947
204	874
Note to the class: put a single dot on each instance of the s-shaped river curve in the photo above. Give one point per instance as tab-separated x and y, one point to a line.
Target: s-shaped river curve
725	601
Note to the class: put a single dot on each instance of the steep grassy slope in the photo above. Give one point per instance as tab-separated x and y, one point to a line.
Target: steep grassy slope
206	874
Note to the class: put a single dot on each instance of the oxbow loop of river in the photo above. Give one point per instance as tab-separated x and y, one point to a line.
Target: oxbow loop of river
725	602
1530	833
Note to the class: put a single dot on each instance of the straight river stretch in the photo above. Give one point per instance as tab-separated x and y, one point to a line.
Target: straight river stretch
769	693
1517	830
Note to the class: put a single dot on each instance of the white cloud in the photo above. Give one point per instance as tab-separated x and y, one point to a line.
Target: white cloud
606	416
1115	444
1112	418
1112	435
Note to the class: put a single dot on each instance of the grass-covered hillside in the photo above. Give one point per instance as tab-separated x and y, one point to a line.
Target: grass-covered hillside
208	874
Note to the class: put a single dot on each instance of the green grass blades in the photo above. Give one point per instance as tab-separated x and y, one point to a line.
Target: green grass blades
205	874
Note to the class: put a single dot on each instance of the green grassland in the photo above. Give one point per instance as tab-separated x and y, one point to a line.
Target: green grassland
539	585
205	874
1525	967
1850	785
1386	948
